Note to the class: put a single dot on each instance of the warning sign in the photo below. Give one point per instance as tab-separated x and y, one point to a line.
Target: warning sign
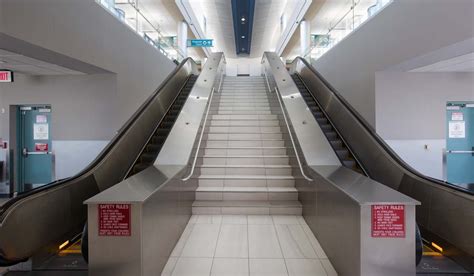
41	147
388	221
114	220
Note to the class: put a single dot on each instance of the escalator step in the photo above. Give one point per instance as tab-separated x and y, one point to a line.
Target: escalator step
167	124
153	147
322	121
331	135
336	144
158	139
349	163
148	157
162	131
342	153
318	115
326	127
140	167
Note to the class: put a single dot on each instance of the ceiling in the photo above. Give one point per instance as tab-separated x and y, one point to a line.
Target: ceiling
219	25
26	65
463	63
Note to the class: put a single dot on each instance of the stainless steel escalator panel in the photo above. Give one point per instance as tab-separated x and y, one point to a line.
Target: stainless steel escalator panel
44	218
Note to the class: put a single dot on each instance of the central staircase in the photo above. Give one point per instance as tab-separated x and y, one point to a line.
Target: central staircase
244	166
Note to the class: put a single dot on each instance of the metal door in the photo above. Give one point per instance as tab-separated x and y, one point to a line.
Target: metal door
460	142
35	160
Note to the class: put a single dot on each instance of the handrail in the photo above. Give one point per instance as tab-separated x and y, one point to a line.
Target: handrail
200	137
370	130
288	127
89	168
336	130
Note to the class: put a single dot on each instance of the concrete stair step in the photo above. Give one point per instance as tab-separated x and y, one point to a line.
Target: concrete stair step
246	193
276	170
242	207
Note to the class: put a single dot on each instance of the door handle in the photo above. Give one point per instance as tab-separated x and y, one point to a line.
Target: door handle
25	152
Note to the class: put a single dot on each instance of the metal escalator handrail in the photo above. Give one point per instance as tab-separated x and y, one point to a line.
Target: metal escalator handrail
336	130
200	138
102	154
376	137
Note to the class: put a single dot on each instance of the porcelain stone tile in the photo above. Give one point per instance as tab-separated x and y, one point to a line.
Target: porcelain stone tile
209	219
294	242
202	241
263	242
178	249
267	267
230	267
285	219
193	267
314	242
330	271
234	219
169	267
256	219
233	242
305	267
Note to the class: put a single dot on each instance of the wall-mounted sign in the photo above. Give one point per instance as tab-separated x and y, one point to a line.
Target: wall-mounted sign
42	147
40	132
114	220
6	76
457	116
200	42
457	129
41	119
388	221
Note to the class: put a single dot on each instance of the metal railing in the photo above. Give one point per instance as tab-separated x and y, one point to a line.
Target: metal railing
200	137
288	127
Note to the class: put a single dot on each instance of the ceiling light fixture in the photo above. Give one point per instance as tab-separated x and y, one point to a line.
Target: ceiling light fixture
243	19
243	36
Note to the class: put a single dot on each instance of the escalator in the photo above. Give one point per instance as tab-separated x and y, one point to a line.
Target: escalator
359	148
56	213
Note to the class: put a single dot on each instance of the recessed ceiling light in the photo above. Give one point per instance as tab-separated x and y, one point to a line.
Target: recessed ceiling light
243	36
243	19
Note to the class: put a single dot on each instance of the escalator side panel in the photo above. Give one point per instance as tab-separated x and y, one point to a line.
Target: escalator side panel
55	211
446	210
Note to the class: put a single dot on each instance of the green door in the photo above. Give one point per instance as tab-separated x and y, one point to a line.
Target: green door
35	162
460	143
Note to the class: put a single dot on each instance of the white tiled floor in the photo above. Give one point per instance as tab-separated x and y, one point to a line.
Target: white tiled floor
252	245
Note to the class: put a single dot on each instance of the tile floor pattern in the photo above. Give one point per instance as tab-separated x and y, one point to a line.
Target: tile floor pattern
255	245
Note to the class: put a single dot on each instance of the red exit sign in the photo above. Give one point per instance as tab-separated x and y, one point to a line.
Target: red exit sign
6	76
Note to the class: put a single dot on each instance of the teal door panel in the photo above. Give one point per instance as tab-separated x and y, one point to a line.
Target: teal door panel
460	142
35	147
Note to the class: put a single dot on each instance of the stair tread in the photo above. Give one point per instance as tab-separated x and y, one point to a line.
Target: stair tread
244	166
230	176
248	189
245	203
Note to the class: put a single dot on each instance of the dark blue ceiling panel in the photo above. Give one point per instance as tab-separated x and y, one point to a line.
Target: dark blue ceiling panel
242	14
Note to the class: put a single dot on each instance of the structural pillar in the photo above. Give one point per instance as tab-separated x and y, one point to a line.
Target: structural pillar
305	37
182	38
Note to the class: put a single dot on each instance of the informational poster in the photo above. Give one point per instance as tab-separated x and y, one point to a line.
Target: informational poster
388	221
114	220
457	116
41	119
40	132
41	147
457	129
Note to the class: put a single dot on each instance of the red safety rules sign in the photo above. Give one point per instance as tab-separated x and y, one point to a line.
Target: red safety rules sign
6	76
114	220
41	147
388	221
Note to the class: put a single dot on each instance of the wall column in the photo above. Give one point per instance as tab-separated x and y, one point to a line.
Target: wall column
183	37
305	37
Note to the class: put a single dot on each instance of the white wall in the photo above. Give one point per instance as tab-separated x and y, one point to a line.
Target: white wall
251	66
411	113
404	30
413	105
83	30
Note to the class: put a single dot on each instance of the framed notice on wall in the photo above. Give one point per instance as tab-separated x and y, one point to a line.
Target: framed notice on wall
457	129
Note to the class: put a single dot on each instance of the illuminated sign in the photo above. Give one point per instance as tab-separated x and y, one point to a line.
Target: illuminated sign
6	76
